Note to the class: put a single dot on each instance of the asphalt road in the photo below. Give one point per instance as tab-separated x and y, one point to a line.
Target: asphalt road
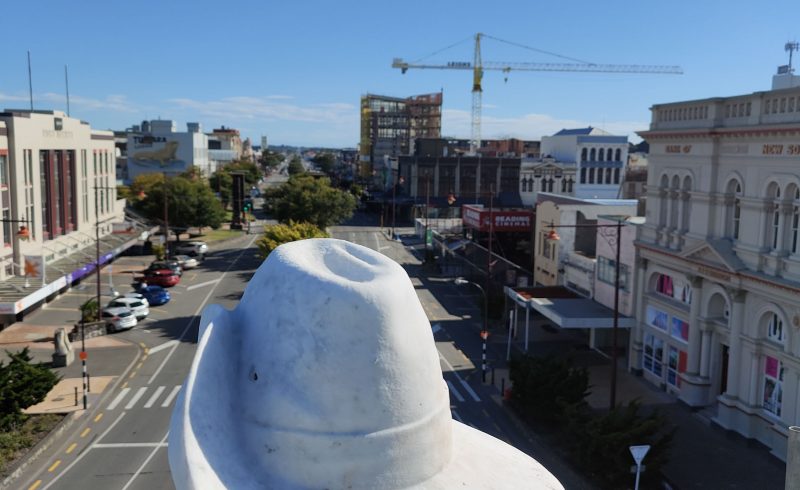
121	444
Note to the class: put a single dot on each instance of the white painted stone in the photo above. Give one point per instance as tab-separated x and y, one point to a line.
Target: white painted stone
326	376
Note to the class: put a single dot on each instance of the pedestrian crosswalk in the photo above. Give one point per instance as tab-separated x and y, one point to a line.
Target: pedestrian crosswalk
456	393
154	400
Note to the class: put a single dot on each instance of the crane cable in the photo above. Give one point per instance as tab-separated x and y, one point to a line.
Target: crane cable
443	49
539	50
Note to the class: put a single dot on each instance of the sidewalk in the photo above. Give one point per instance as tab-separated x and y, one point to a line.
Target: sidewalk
703	455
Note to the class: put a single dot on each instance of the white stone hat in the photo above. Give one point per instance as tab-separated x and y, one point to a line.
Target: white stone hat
326	375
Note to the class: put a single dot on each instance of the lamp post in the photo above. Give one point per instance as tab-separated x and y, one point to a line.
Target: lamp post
83	355
460	281
615	241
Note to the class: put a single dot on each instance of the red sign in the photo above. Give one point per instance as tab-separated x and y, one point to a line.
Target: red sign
480	218
83	355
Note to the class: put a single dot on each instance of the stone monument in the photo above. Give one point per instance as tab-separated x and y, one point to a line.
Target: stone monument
326	376
63	355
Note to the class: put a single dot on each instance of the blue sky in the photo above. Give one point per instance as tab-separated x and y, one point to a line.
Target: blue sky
294	71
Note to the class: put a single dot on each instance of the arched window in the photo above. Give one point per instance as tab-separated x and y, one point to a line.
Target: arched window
583	155
775	331
734	211
569	185
686	203
563	185
674	200
618	155
774	221
592	155
793	235
601	154
664	198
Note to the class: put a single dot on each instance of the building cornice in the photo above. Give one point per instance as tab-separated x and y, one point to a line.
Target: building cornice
753	131
719	273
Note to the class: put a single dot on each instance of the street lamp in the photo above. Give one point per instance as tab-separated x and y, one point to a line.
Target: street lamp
460	281
613	239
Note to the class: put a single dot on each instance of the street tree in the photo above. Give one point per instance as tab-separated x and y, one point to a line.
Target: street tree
326	162
186	202
276	235
309	199
22	384
296	166
221	182
271	159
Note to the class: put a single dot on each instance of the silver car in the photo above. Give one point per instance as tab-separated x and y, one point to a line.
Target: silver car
138	296
140	309
118	318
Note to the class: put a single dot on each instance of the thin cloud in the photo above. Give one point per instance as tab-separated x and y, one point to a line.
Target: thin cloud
267	109
528	126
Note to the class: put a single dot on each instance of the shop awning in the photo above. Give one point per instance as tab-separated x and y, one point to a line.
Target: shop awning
567	309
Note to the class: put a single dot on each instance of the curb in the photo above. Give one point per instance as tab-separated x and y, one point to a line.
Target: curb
40	447
51	438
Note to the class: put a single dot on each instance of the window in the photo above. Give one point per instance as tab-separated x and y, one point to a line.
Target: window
680	330
773	386
583	175
676	364
776	223
583	155
606	272
653	354
618	155
592	155
591	175
616	175
775	330
795	223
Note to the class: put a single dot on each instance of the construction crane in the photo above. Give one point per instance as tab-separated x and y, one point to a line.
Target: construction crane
478	66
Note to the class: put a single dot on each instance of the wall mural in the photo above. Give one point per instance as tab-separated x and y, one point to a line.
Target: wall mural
156	152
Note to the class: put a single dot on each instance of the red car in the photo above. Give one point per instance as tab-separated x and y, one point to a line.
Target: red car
161	277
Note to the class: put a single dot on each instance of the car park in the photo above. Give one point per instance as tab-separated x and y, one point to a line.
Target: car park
191	249
172	265
161	277
185	261
155	295
137	306
118	318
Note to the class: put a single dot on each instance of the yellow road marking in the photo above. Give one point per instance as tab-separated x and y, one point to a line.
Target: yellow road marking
140	365
143	346
72	447
85	431
35	485
54	466
132	375
99	416
124	385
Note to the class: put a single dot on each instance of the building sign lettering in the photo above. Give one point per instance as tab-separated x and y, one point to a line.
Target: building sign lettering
678	148
51	133
479	218
772	150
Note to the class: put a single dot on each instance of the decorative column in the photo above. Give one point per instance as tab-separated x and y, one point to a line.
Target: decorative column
636	347
705	351
695	386
735	322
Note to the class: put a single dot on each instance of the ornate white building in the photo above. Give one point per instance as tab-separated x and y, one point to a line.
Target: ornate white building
719	260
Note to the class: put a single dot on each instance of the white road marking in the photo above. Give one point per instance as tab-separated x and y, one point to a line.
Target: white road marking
463	383
115	402
455	392
136	397
165	345
203	284
115	445
199	309
83	453
146	461
469	390
171	395
153	398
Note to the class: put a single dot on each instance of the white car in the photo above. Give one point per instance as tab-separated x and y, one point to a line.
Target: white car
185	261
118	318
138	296
192	248
139	308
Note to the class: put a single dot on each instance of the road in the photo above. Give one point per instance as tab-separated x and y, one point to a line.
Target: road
121	443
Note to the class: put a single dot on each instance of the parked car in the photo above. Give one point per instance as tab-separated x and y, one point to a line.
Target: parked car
155	295
172	265
161	277
139	309
192	249
118	318
185	261
138	296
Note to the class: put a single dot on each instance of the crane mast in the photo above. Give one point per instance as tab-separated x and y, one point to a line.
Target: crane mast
478	66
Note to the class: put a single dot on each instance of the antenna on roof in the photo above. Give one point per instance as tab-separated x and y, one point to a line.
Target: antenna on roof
66	82
791	47
30	82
